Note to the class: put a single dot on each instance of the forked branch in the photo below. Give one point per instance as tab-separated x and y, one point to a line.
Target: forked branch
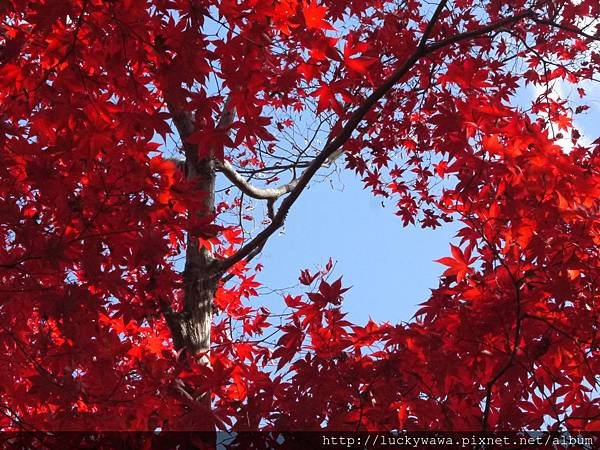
335	143
255	192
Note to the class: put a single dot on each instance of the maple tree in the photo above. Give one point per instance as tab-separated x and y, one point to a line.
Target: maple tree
137	134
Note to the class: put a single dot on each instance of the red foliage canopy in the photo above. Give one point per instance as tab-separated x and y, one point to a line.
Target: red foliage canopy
423	103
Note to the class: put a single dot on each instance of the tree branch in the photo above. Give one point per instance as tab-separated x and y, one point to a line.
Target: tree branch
478	32
253	191
431	24
346	132
568	28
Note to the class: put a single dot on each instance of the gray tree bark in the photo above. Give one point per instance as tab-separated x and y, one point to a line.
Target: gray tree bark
191	327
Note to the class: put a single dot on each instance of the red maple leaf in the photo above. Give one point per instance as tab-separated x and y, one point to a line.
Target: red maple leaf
314	16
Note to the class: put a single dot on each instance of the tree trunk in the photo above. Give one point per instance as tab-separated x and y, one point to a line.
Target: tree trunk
191	329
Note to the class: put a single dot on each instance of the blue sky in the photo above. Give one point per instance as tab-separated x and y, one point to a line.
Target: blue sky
389	267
